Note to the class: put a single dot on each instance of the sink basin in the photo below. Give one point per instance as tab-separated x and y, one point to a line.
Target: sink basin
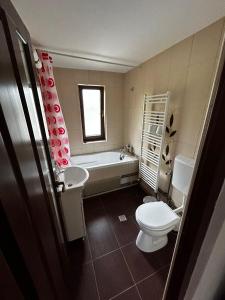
74	177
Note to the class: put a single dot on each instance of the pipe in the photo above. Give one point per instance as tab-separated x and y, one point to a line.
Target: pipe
83	58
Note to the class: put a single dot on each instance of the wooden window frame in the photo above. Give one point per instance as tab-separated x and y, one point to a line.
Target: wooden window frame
100	137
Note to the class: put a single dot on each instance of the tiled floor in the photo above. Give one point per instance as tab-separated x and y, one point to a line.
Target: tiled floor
107	264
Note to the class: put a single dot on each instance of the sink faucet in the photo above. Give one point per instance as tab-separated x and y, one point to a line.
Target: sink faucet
57	170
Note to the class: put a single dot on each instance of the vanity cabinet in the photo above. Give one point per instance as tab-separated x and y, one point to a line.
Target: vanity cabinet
71	199
73	213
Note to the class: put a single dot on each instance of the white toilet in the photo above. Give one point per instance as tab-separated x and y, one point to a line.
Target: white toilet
157	219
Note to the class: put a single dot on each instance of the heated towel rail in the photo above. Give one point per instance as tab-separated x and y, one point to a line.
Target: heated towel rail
153	134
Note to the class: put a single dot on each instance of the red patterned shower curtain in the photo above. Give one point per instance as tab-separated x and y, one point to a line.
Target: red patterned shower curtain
59	142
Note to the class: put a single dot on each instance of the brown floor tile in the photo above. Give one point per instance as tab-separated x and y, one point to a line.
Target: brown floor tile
83	284
127	231
130	294
140	264
153	287
92	204
112	274
104	230
101	237
124	201
79	252
164	255
114	205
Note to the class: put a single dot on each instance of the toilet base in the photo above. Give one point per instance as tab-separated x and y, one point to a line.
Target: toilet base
147	243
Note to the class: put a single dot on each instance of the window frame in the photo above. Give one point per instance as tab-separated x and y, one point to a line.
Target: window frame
102	136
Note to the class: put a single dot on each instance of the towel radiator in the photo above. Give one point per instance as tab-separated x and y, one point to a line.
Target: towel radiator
153	134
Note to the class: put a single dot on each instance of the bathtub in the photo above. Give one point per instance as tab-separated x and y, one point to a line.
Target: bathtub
106	171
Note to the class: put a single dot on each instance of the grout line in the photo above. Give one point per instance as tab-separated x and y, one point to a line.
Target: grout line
105	254
119	248
115	296
92	263
96	283
127	244
126	262
152	274
138	291
135	284
130	273
110	225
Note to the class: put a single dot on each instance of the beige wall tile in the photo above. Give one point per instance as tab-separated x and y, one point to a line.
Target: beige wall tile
187	70
177	84
161	72
199	82
206	42
185	149
181	54
67	81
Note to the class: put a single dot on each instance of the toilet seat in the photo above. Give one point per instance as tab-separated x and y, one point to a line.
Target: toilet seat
156	215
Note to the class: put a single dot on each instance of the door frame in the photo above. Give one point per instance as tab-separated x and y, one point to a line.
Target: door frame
207	181
12	22
12	16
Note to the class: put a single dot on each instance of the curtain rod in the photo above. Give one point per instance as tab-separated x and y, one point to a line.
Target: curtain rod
84	58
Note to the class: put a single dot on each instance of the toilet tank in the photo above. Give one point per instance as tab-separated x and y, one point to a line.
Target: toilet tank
182	173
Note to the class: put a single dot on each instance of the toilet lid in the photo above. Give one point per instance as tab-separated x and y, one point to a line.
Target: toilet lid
156	215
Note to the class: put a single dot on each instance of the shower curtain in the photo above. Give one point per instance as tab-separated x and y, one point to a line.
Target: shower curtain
59	142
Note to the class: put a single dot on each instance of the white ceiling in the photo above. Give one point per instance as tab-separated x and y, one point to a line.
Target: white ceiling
122	31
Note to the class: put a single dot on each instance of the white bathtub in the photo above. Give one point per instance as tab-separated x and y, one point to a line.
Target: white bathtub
107	172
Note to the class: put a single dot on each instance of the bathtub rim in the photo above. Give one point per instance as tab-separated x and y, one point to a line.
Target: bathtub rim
133	159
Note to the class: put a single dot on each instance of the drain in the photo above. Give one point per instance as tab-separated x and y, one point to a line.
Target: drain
69	184
122	218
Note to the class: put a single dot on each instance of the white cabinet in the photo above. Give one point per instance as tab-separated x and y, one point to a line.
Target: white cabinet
73	213
71	199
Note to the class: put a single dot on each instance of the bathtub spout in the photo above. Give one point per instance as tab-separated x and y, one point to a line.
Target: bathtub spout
122	155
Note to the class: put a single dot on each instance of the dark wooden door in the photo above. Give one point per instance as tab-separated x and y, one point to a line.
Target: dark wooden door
27	193
8	284
12	196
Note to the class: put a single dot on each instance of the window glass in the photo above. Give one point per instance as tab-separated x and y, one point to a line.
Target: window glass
92	112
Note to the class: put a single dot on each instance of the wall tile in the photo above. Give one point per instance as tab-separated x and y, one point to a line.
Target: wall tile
180	55
187	70
206	42
199	82
67	81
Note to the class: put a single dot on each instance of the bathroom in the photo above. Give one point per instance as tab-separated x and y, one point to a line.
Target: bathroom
188	74
134	125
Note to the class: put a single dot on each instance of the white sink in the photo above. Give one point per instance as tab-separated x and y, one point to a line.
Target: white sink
74	177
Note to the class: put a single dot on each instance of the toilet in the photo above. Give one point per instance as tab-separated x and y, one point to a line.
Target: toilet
157	219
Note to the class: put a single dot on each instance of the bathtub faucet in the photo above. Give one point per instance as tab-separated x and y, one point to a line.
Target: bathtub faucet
122	153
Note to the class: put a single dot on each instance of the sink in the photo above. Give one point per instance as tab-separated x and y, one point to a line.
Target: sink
71	199
74	177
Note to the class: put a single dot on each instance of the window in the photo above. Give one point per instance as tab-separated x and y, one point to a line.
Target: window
92	112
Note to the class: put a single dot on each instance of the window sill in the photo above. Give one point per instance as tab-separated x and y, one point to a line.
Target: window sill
94	142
